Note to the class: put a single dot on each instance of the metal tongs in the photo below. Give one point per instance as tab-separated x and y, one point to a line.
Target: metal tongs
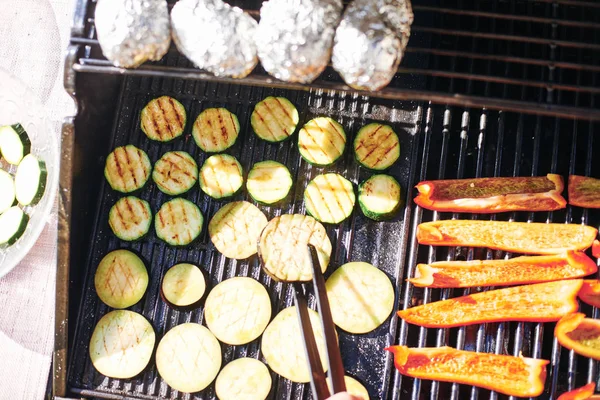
318	379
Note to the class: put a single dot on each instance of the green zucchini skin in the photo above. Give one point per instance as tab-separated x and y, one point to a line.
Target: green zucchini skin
127	169
7	191
13	223
175	173
321	141
269	182
31	171
130	218
178	222
380	197
163	119
215	130
14	143
274	119
376	147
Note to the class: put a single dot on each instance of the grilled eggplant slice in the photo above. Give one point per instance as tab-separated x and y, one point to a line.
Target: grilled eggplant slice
216	130
7	191
183	285
178	222
274	119
175	173
13	223
353	387
244	378
221	176
130	218
321	141
379	197
122	344
376	146
269	182
127	169
163	119
237	310
30	180
14	143
329	198
121	279
188	357
235	229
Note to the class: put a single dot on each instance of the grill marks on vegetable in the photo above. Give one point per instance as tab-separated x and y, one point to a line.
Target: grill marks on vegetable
329	198
321	141
221	176
178	222
127	169
376	146
215	129
175	172
130	218
163	119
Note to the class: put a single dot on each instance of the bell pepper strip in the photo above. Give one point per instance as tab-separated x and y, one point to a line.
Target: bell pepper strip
581	393
596	249
519	237
590	292
541	302
580	334
491	195
513	376
584	191
515	271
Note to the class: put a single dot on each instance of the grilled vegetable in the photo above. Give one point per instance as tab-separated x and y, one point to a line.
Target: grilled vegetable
321	141
269	182
188	357
283	251
376	146
221	176
121	279
580	334
244	378
183	285
581	393
175	173
361	297
513	376
590	292
7	191
237	310
584	191
542	302
14	143
178	222
596	249
274	119
235	229
283	349
13	223
515	271
353	387
329	198
30	180
127	169
379	197
163	119
215	130
519	237
489	195
130	218
121	344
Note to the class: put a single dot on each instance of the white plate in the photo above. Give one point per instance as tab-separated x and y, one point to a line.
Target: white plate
19	104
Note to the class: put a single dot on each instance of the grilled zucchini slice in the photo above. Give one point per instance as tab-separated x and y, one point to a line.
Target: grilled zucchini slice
121	279
376	146
283	250
175	173
244	378
237	310
13	223
122	343
127	169
274	119
30	180
379	197
188	357
329	198
221	176
269	182
353	387
130	218
7	191
183	285
216	130
14	143
163	119
321	141
178	222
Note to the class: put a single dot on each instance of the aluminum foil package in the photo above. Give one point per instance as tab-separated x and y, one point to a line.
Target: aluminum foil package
131	32
370	42
294	37
215	36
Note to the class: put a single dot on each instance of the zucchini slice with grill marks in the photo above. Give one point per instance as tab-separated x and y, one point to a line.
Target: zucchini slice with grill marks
274	119
321	141
30	180
178	222
221	176
376	146
163	119
329	198
130	218
269	182
175	173
121	279
13	223
216	130
183	285
7	191
14	143
244	378
127	168
379	197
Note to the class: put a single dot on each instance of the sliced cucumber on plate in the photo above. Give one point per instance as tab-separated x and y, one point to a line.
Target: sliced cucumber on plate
12	225
7	191
14	143
30	180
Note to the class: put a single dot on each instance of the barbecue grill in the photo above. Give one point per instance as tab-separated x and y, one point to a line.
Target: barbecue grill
486	88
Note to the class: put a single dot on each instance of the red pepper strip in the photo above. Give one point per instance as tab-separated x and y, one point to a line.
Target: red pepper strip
518	237
580	334
590	292
581	393
542	302
596	249
490	195
519	270
584	191
513	376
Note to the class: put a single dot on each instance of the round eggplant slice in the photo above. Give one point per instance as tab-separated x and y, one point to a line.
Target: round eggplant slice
244	378
237	310
183	285
175	173
163	119
121	279
188	357
178	222
122	344
127	169
353	387
269	182
130	218
221	176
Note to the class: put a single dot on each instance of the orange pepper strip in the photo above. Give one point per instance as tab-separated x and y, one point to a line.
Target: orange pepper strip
541	302
490	195
580	334
519	237
513	376
584	191
519	270
590	292
581	393
596	249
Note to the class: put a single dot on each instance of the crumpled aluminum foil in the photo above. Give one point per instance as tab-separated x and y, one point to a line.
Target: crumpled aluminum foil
370	42
131	32
215	36
294	37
